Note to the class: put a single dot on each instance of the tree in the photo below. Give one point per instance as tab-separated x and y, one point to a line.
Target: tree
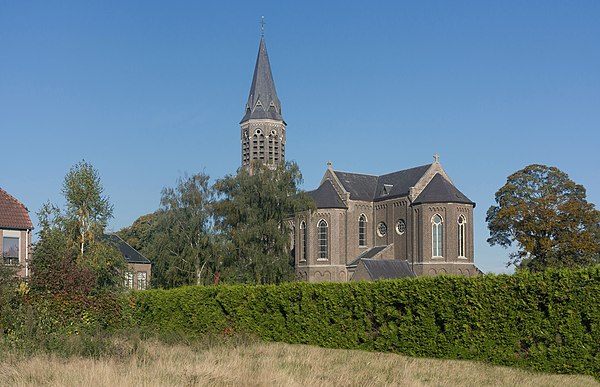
139	233
178	238
88	211
547	214
253	216
70	255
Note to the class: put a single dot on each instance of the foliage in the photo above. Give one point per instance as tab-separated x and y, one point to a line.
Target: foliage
139	233
548	216
8	298
253	215
70	255
548	321
87	210
178	238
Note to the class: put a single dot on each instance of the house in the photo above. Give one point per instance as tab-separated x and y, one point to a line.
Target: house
15	233
139	268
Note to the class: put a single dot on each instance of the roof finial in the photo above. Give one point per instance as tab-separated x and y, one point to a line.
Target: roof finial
262	26
329	164
436	157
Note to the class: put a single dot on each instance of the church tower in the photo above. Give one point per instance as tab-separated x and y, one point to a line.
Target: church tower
263	127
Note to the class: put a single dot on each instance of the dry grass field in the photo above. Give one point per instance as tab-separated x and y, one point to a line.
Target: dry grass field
150	363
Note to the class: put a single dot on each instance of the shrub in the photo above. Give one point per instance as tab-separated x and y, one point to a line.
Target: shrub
548	321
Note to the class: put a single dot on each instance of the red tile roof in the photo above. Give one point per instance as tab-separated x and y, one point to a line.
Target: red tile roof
13	214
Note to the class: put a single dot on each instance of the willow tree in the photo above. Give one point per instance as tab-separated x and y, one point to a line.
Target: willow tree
548	217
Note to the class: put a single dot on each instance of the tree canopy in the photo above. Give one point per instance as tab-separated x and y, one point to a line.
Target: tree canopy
87	209
548	217
178	238
253	215
70	255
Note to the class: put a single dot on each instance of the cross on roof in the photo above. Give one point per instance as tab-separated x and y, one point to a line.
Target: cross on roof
436	157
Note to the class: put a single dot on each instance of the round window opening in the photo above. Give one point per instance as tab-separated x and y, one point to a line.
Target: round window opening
400	227
273	133
381	229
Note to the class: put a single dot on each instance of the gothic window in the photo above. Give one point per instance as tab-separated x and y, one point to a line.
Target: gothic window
362	230
323	239
303	240
437	235
461	236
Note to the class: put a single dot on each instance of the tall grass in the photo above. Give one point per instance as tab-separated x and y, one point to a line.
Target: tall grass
243	361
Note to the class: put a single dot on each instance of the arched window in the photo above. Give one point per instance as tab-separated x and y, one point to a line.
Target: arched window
323	239
437	234
362	230
303	241
461	236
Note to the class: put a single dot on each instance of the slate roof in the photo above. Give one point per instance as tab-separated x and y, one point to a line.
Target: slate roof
326	197
370	253
387	268
130	254
13	214
371	188
263	90
440	190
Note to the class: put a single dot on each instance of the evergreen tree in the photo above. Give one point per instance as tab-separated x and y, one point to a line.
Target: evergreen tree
253	216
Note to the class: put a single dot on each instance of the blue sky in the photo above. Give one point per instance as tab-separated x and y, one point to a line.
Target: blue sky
148	90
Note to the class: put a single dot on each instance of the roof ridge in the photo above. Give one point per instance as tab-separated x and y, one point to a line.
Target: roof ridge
407	169
354	173
385	174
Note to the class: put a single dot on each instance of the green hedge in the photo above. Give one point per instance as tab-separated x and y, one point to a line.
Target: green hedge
547	322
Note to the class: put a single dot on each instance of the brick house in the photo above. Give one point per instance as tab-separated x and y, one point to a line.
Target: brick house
15	233
139	268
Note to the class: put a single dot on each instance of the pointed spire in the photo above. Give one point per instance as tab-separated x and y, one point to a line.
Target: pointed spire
262	101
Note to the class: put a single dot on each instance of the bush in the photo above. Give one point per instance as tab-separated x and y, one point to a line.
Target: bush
547	322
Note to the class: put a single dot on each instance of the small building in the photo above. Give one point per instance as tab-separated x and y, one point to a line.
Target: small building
15	233
139	268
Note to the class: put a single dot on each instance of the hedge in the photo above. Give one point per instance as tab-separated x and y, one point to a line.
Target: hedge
546	322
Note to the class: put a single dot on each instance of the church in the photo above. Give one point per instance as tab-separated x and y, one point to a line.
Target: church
408	223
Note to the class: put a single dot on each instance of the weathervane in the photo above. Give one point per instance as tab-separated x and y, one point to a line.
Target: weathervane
262	25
